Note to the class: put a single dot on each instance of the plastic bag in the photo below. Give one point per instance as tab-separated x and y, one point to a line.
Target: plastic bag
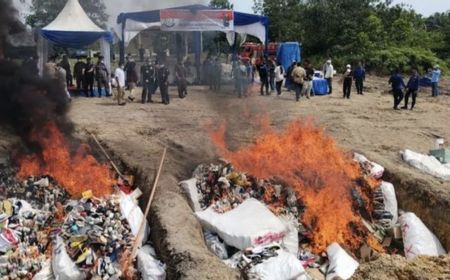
283	266
249	224
149	267
417	238
133	213
427	164
62	265
387	208
216	246
46	272
290	241
374	169
341	264
190	189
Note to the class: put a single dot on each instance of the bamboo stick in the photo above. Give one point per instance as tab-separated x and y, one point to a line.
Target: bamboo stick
106	155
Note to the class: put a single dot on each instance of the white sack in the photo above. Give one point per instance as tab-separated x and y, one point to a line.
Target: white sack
417	238
216	246
133	213
62	265
427	164
190	190
341	264
149	267
46	272
249	224
290	242
390	200
376	170
285	266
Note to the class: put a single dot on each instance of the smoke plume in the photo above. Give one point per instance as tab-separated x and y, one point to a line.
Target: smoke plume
27	101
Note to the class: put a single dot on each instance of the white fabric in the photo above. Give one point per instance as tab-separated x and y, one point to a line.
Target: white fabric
73	18
231	37
42	50
46	272
341	264
256	29
105	48
119	74
249	224
427	164
284	266
418	239
132	29
329	71
290	242
376	170
190	190
279	76
62	265
390	200
131	211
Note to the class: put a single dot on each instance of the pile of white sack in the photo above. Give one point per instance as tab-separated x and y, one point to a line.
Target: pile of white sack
428	164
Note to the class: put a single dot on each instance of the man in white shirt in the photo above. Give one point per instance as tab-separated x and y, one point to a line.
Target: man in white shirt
328	72
119	75
279	77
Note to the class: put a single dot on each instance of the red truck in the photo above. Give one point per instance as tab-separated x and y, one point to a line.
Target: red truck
255	52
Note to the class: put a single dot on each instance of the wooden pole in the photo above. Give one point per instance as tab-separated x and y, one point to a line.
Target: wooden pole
149	203
106	155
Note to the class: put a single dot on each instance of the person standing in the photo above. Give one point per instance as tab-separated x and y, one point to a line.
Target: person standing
180	79
289	82
148	76
348	78
411	89
65	64
298	78
241	79
102	77
162	77
435	79
272	75
119	76
264	77
328	73
279	77
359	75
89	78
78	73
308	84
131	77
398	85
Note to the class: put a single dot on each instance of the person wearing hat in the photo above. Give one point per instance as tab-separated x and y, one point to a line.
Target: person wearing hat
328	73
435	79
102	77
348	78
88	83
148	75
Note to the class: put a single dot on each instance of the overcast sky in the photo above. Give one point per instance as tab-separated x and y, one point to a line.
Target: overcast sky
425	7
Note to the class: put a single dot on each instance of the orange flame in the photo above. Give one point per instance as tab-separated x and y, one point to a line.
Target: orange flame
321	174
77	172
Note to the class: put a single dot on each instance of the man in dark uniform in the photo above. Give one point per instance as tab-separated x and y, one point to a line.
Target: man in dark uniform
89	78
264	77
78	73
102	76
162	76
148	76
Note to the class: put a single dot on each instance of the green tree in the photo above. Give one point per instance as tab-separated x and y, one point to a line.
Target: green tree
221	4
45	11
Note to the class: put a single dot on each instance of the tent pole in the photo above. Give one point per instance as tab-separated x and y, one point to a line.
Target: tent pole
122	44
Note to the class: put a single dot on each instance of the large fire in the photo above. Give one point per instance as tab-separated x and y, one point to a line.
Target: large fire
309	161
77	172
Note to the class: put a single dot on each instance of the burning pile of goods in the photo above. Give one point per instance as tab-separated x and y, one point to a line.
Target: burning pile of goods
292	225
85	231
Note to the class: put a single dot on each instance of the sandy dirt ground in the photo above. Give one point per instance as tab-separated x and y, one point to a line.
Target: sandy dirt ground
138	132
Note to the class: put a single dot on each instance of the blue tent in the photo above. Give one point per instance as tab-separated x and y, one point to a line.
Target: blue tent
72	28
133	23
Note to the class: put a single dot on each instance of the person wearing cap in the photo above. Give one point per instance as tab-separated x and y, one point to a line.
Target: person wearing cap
102	76
348	78
359	75
435	79
88	83
412	89
398	85
148	76
328	73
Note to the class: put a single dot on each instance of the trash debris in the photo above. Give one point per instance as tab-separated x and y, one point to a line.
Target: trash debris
216	246
342	265
428	164
418	239
385	205
238	228
149	267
